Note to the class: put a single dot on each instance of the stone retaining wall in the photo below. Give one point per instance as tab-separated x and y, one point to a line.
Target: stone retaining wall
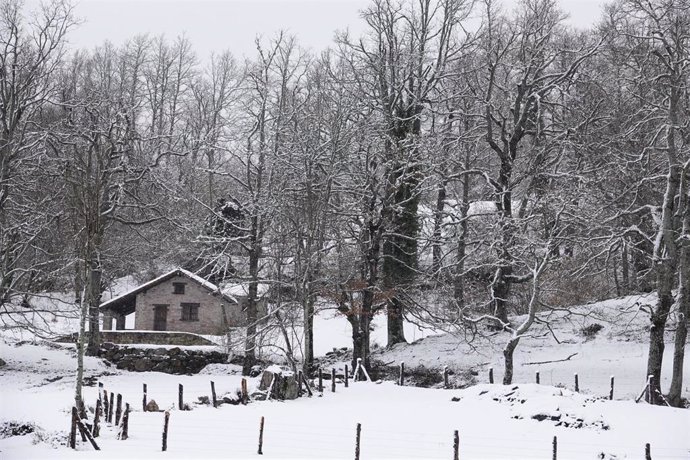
171	360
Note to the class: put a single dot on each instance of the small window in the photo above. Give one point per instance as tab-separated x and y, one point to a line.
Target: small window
178	288
190	312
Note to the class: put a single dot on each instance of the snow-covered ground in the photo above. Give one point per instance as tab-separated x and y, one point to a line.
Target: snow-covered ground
494	421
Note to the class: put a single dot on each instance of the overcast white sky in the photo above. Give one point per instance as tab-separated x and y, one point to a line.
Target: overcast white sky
217	25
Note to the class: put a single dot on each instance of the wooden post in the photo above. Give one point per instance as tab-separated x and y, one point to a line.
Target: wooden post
180	397
357	439
401	380
85	434
118	411
245	393
456	445
111	407
611	390
347	376
306	385
106	406
73	428
125	424
261	436
554	452
647	452
333	380
537	377
445	377
144	401
299	382
355	373
577	384
491	375
320	381
213	394
97	418
165	430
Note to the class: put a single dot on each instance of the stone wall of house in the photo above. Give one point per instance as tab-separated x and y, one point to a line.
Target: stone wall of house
168	360
211	308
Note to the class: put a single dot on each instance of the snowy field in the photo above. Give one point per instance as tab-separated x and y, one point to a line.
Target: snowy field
493	421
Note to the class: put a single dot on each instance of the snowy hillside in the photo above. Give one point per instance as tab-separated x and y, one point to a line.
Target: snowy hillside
397	422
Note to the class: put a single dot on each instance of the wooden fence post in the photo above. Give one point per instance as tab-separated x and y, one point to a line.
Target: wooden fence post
261	436
647	452
165	430
611	390
118	411
144	401
577	383
357	440
347	376
73	428
320	381
306	385
537	378
213	394
106	406
554	452
333	380
445	377
491	375
299	383
125	423
401	380
85	434
456	445
111	407
180	397
96	419
245	393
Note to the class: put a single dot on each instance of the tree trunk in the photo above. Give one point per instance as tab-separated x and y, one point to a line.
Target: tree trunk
94	302
438	228
459	275
500	290
682	301
625	273
508	360
400	258
308	311
78	398
251	311
665	258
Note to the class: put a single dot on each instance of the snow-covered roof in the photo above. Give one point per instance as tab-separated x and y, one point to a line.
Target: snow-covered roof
242	289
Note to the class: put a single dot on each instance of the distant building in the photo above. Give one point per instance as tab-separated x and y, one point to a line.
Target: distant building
182	301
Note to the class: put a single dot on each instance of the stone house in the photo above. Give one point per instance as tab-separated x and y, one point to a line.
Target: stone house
181	301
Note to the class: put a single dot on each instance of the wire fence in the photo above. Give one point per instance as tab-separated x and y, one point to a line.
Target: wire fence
215	434
283	439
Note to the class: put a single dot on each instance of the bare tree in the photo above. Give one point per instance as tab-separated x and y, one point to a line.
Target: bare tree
401	61
31	51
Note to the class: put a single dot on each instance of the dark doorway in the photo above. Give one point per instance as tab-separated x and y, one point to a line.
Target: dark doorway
160	317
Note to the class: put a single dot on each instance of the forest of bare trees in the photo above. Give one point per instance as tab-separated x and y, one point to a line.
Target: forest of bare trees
458	164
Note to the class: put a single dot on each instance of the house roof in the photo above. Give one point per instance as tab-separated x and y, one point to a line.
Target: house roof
125	303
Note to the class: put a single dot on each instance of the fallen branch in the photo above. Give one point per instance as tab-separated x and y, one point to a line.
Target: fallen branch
552	361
